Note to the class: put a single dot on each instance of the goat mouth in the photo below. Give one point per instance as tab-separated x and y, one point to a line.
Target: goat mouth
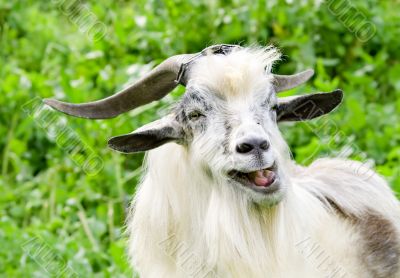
262	180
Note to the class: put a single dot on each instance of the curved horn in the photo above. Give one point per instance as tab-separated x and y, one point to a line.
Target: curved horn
155	85
287	82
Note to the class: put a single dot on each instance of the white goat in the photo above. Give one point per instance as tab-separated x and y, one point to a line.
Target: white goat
222	198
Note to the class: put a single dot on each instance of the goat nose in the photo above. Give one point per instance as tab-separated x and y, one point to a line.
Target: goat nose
252	144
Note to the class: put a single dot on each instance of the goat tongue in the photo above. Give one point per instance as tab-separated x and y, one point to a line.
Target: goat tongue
262	177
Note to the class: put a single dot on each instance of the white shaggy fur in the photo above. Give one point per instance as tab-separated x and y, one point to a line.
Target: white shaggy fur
187	222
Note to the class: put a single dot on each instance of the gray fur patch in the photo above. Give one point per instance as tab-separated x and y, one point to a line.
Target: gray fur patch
380	241
182	118
192	100
195	97
228	131
200	99
381	245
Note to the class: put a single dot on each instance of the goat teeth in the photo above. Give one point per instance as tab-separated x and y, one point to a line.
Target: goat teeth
267	172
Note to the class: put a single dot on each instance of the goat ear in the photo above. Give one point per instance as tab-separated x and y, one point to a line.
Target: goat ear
307	107
148	137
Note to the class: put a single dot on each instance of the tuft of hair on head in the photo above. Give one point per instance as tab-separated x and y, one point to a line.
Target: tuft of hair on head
267	56
237	72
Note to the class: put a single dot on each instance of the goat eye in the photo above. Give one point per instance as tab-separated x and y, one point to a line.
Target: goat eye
195	115
275	107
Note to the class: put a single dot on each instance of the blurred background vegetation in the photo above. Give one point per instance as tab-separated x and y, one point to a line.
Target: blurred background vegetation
45	52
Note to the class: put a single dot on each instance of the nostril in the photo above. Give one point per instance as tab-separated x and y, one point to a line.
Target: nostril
244	148
251	145
264	145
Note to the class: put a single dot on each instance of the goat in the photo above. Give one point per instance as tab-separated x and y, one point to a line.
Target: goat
221	196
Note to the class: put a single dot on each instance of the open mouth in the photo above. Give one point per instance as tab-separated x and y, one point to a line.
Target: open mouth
262	180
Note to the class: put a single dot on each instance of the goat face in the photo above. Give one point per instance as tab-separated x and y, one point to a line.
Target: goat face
234	137
226	120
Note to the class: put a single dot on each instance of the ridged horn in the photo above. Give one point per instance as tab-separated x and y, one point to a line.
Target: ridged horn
287	82
153	86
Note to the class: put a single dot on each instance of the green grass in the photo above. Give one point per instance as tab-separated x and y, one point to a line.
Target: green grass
48	201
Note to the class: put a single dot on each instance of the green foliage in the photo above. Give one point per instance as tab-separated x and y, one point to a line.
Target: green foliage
45	52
